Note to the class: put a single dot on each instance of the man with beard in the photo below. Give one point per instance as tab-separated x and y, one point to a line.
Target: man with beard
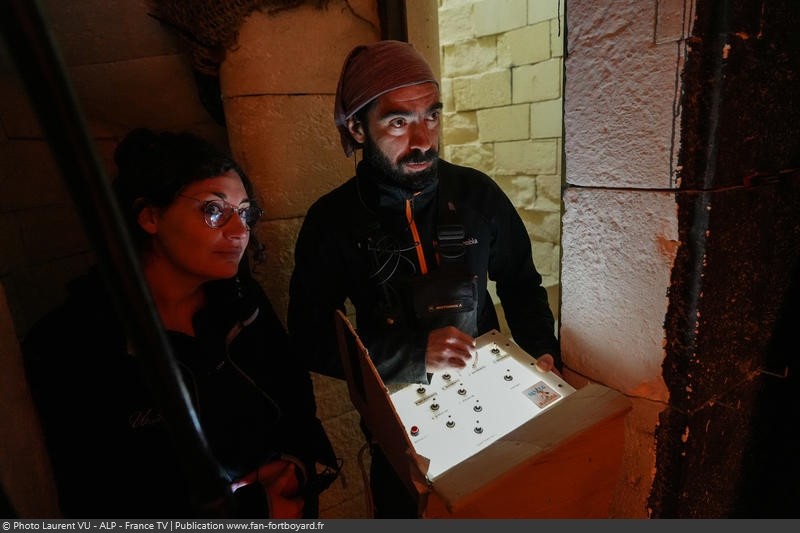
411	241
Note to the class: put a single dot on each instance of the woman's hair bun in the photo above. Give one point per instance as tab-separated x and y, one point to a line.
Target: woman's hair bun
135	148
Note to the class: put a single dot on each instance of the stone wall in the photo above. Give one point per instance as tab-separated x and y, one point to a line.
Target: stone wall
502	71
619	228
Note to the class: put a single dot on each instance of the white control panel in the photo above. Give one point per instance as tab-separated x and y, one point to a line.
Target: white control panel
463	411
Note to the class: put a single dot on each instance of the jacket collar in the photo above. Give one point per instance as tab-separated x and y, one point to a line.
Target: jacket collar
378	192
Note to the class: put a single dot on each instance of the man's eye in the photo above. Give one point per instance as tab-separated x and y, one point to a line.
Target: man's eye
397	123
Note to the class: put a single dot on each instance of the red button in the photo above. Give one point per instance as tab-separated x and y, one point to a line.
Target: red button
414	431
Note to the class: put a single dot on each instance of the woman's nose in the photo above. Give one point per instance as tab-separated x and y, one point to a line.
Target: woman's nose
236	227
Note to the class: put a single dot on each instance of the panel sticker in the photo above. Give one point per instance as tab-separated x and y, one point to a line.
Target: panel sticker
541	394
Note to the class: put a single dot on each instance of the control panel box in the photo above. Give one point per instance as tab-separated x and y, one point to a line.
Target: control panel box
462	411
498	439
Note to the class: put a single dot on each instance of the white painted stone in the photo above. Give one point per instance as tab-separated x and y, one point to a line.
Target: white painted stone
488	90
476	155
556	39
526	157
539	10
496	16
521	190
535	83
543	227
507	123
455	23
547	119
524	46
548	192
545	257
472	57
460	128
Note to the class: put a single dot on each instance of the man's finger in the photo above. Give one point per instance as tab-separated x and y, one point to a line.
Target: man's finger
545	362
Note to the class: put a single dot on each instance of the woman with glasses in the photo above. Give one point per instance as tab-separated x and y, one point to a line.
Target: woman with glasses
190	210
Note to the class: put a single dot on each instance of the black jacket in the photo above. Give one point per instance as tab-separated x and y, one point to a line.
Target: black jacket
111	452
357	243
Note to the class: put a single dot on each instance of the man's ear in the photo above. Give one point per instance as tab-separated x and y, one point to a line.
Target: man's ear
356	130
148	219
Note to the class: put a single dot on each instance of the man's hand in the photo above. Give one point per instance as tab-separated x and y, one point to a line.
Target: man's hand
546	363
449	347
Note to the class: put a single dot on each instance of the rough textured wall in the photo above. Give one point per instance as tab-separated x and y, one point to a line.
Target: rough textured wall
697	169
502	70
619	232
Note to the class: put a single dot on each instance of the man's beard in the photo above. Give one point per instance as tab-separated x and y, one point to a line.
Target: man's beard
415	181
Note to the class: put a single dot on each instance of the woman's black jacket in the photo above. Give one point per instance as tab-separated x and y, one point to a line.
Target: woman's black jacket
110	449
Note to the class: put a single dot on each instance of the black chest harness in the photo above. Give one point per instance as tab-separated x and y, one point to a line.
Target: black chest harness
445	296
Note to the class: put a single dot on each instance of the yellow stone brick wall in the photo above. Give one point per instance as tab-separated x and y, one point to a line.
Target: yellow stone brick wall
502	79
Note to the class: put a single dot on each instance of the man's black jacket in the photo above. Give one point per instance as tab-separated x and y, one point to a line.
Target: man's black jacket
357	243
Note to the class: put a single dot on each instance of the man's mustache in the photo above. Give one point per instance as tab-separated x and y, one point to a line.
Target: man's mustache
418	156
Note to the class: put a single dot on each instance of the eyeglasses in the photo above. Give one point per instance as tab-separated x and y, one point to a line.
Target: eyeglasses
217	213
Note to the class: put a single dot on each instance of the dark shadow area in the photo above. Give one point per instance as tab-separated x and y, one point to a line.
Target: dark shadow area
771	468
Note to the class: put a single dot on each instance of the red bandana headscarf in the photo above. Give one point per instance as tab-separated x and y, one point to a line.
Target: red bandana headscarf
370	71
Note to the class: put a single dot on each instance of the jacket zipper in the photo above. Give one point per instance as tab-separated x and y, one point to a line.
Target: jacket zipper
423	265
